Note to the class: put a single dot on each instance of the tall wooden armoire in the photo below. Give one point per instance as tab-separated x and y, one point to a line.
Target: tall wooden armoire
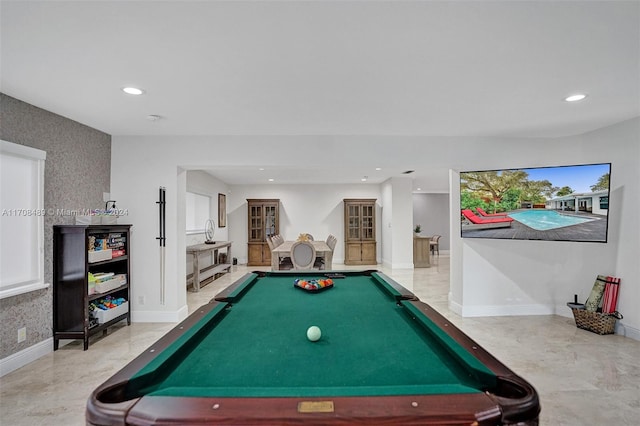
360	231
262	221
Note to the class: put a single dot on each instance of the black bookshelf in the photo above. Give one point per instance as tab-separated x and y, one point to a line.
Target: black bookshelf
71	267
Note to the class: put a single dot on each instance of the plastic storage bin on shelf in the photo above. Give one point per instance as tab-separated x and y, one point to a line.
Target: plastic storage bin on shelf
99	256
106	316
111	284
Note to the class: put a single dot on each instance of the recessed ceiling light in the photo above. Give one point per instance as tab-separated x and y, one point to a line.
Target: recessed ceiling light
575	98
378	168
132	90
154	117
364	179
418	189
261	168
271	179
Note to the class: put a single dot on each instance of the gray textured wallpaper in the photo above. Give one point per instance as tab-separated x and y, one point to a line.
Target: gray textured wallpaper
77	172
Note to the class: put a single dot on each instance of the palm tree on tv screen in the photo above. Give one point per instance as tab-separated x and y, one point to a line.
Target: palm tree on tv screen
602	184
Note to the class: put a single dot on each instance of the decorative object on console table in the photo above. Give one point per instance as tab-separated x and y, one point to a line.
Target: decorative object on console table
209	231
417	230
75	287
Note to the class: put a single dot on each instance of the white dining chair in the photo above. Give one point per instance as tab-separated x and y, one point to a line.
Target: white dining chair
332	241
270	243
303	255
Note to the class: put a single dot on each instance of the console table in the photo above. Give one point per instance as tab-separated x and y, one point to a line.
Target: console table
200	274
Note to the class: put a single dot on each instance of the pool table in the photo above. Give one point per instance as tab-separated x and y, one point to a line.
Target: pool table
384	357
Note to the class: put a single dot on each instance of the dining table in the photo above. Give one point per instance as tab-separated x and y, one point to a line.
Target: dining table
284	250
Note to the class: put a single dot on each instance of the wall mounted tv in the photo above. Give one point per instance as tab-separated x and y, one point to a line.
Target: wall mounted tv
565	203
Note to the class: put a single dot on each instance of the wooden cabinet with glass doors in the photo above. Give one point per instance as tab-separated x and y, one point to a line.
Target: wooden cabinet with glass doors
263	221
360	231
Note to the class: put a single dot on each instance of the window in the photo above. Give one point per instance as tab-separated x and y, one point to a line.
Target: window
22	219
198	212
604	203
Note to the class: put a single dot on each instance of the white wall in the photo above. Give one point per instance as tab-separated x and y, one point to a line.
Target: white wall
456	261
386	222
402	223
431	211
503	277
203	183
314	209
395	223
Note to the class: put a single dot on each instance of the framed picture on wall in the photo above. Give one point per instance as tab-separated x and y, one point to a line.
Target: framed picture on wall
222	210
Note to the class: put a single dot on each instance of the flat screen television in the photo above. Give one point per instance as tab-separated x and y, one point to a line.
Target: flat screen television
564	203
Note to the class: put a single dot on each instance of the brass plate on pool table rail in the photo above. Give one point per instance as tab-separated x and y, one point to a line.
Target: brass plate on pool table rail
315	407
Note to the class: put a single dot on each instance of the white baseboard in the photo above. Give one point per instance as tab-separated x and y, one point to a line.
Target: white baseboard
454	307
627	331
25	356
498	310
402	266
160	316
503	310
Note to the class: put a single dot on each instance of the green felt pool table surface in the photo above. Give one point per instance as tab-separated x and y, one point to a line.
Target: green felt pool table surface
249	345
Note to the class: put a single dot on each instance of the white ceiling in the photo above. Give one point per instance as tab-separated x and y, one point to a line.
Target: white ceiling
426	68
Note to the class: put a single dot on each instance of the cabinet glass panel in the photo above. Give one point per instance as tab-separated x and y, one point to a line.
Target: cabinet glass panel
367	222
256	223
354	222
270	220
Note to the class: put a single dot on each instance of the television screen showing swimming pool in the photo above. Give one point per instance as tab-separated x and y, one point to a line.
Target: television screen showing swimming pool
564	203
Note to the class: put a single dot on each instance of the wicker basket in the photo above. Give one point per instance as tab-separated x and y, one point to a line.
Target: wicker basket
595	322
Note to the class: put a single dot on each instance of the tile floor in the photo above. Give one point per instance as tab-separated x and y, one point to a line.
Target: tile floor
582	378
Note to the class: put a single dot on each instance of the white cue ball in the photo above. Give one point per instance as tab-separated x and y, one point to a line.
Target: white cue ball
314	333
